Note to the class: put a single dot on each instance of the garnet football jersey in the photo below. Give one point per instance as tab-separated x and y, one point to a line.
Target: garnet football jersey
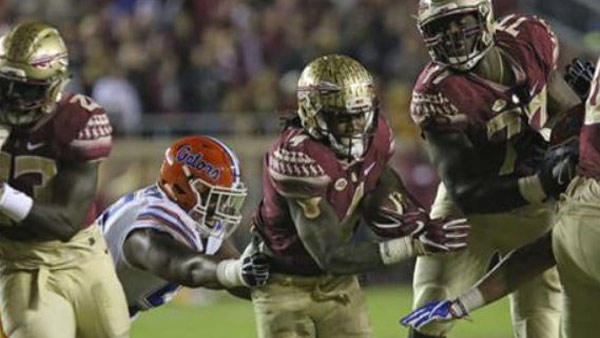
493	116
77	131
148	208
297	165
589	139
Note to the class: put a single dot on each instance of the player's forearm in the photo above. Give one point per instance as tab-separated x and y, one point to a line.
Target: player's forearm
47	221
54	222
73	192
200	271
515	269
362	257
352	259
488	195
322	238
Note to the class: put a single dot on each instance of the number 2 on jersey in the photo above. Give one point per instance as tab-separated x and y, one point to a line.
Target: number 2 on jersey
26	164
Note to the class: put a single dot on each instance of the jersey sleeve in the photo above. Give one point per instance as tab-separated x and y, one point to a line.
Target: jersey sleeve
163	218
82	130
535	32
384	137
294	172
430	108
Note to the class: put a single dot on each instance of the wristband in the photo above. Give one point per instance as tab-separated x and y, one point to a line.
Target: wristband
531	189
15	204
472	300
229	273
396	250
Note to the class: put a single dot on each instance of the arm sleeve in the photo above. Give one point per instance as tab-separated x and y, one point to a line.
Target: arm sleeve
83	130
161	218
295	174
544	42
431	110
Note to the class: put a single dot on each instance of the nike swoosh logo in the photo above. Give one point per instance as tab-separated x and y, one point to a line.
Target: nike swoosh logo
369	168
30	146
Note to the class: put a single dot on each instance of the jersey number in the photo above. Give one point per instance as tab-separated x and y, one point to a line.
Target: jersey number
84	102
43	168
513	28
511	123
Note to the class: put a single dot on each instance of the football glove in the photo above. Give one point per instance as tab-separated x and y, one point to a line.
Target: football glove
434	311
579	75
558	168
255	269
443	235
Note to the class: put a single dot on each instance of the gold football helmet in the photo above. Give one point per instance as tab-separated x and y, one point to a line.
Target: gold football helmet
457	33
33	72
337	104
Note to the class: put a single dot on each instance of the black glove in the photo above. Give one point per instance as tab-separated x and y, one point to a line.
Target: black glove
558	168
579	75
255	269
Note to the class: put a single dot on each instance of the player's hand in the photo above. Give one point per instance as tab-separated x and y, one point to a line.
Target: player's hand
558	168
579	75
444	235
434	311
255	269
399	224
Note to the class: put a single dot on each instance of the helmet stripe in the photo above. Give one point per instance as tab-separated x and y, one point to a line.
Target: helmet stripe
236	163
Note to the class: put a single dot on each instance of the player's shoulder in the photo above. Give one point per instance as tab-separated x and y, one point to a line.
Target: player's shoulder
298	164
160	214
434	99
82	128
430	78
531	31
520	25
383	139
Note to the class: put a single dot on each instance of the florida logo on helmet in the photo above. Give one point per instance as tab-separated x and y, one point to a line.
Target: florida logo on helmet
186	156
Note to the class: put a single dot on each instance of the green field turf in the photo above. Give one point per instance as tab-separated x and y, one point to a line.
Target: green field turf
232	318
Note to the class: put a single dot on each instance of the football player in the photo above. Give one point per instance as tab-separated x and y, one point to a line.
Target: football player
57	278
315	179
484	105
172	233
572	244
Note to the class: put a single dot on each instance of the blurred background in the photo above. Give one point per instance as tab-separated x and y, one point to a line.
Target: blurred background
228	68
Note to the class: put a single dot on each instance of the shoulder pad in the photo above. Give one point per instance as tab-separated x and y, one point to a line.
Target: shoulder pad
383	138
535	32
165	217
431	109
83	129
294	172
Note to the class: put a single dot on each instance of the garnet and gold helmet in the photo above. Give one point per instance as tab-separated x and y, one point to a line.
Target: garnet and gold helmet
33	72
202	175
337	104
457	33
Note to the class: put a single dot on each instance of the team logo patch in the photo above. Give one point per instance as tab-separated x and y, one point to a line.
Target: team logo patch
186	156
340	184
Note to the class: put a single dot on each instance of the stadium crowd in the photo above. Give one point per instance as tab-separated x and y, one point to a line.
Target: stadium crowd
155	56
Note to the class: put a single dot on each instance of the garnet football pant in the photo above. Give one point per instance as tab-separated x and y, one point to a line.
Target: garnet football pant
535	307
61	290
310	307
576	245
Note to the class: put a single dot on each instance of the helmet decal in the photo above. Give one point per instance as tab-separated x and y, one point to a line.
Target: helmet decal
186	155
